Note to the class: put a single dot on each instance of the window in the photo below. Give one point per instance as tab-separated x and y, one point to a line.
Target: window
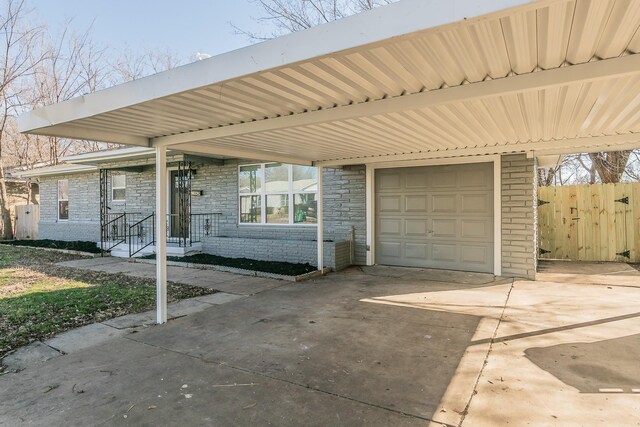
275	193
118	188
250	179
63	199
305	186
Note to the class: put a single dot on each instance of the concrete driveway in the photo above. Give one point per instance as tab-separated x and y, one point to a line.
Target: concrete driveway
372	346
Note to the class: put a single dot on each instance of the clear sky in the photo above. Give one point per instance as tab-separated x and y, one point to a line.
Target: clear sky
181	26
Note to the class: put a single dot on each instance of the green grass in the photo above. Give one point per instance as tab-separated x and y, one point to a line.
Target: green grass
275	267
78	245
39	299
42	312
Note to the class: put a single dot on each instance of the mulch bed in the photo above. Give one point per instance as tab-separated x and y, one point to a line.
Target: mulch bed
275	267
78	245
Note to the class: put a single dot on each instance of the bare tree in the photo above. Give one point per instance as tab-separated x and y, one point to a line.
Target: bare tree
20	59
40	68
632	171
581	168
587	166
546	176
610	166
131	66
289	16
73	66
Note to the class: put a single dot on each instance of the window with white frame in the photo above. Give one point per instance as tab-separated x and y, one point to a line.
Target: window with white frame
275	193
63	199
118	188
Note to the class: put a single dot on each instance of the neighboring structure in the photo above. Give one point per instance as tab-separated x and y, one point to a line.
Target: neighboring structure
426	120
20	191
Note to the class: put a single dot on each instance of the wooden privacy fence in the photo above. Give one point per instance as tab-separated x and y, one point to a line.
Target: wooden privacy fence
27	217
599	222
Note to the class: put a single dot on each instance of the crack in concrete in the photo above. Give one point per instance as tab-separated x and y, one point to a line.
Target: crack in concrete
306	387
486	358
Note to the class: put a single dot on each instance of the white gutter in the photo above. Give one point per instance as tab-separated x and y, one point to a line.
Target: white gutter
121	153
56	170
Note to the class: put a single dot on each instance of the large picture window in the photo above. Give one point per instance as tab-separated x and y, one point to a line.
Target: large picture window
275	193
118	188
63	199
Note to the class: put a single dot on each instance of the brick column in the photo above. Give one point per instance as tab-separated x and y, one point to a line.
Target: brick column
519	258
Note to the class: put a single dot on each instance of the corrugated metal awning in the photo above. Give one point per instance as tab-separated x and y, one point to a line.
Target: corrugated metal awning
551	75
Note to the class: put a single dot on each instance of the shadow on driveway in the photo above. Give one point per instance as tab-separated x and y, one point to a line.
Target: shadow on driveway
607	366
310	353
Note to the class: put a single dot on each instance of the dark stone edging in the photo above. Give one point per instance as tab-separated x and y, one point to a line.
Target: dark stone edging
241	271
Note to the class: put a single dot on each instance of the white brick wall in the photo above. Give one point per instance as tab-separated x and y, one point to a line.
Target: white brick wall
337	255
84	208
344	206
518	216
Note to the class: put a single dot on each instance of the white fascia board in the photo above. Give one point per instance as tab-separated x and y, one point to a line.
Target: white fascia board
109	154
391	21
123	154
56	170
596	144
565	146
62	130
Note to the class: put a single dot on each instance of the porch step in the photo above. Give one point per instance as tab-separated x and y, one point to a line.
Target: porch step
122	250
125	253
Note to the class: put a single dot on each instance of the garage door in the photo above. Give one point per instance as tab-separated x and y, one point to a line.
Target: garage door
436	217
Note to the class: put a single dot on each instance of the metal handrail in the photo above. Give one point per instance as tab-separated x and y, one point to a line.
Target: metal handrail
204	225
114	225
193	228
141	234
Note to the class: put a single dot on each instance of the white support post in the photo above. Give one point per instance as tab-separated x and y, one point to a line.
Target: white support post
370	203
497	215
320	213
161	234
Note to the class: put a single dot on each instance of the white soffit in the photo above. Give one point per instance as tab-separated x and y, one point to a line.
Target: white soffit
298	106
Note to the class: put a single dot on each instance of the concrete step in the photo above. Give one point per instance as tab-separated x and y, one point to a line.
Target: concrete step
122	250
125	254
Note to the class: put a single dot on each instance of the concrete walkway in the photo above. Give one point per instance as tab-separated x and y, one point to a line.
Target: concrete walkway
379	346
95	334
218	280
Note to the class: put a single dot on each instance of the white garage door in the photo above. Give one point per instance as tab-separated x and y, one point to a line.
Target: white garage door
435	217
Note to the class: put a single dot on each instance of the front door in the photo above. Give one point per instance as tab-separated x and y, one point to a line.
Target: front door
178	207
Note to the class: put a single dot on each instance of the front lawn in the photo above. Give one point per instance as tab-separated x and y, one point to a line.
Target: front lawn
39	299
275	267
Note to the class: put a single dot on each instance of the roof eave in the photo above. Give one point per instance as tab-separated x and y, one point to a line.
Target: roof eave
394	20
50	171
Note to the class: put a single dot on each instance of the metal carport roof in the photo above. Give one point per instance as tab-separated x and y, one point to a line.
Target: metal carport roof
410	80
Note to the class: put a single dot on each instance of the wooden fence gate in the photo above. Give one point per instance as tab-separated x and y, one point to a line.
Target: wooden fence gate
27	217
599	222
